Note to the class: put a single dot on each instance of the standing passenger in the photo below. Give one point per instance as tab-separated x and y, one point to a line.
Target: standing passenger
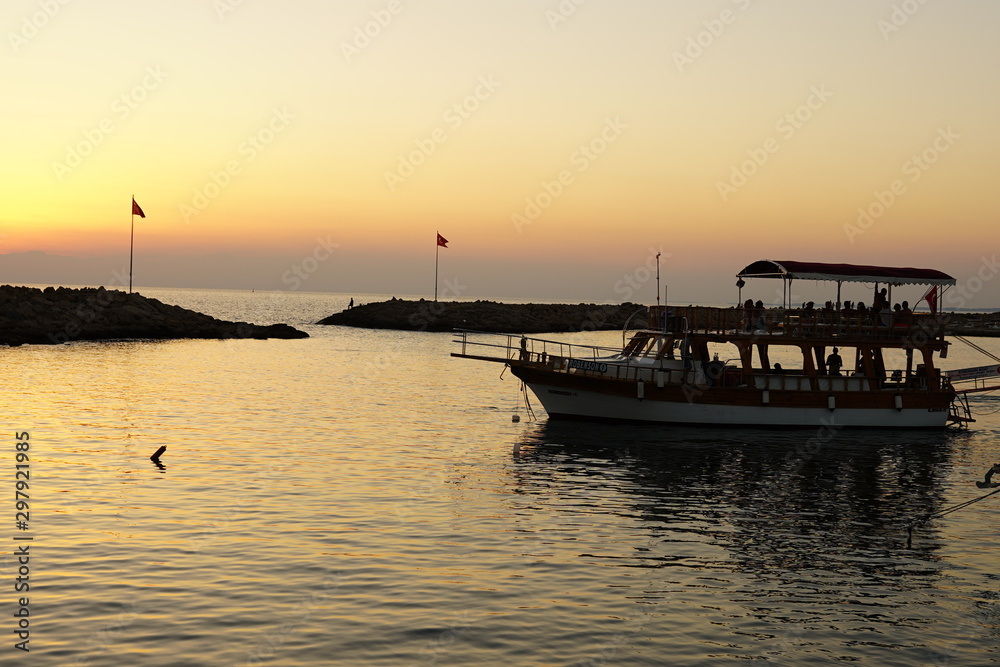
834	363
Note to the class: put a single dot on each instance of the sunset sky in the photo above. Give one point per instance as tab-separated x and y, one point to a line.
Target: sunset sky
557	144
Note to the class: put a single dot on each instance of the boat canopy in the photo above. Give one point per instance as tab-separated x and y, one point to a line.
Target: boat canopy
789	270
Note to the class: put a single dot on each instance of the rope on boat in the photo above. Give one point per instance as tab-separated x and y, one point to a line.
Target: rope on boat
977	348
954	508
527	402
986	353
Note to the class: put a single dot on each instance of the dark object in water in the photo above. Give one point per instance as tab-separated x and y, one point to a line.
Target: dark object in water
156	455
986	483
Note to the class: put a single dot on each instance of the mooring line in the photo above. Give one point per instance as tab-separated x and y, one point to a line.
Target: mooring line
953	508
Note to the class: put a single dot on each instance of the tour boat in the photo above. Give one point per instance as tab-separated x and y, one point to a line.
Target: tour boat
881	370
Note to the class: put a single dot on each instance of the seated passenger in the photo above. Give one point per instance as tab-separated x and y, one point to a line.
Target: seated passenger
748	315
759	321
905	315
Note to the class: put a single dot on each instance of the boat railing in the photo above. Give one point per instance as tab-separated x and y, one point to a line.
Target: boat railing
612	364
529	349
797	322
973	380
573	358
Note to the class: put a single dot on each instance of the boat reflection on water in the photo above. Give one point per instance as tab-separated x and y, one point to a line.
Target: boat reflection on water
757	535
847	483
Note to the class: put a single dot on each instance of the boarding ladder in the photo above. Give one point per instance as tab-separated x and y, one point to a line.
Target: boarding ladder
974	380
959	413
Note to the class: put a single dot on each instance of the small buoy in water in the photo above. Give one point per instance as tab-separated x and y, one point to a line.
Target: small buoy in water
156	455
516	418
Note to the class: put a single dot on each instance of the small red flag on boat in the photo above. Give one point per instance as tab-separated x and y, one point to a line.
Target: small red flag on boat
932	297
136	210
442	241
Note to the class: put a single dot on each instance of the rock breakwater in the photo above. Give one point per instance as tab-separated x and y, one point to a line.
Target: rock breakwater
487	316
59	315
498	317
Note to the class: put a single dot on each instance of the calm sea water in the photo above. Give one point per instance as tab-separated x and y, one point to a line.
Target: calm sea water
361	498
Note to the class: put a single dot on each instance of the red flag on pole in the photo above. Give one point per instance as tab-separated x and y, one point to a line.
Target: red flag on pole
136	210
442	241
932	298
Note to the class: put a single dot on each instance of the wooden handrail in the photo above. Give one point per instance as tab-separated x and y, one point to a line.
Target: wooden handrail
798	321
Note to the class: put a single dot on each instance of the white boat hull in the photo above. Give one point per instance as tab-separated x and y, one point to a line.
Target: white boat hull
561	402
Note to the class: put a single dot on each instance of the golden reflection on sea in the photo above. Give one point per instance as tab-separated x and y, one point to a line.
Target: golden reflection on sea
355	498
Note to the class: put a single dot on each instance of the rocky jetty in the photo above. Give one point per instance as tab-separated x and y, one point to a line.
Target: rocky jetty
59	315
550	318
487	316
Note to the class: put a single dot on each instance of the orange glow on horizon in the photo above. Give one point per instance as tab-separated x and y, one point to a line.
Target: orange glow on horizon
777	140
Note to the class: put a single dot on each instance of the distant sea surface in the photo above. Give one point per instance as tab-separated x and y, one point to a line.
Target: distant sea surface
361	498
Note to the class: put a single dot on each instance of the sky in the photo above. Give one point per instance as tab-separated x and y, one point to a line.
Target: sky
558	145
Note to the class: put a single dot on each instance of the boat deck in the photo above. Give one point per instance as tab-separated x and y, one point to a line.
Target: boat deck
786	325
650	360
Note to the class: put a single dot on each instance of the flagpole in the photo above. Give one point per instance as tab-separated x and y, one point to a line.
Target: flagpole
657	279
437	255
131	245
